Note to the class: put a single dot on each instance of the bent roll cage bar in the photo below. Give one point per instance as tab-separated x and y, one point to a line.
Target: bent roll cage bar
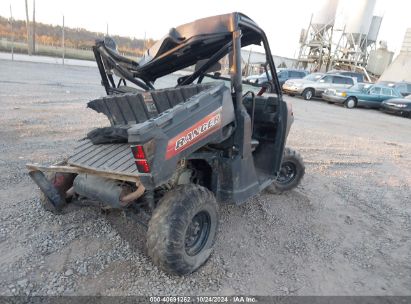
239	31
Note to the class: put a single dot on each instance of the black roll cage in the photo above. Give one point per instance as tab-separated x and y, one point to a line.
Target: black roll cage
127	69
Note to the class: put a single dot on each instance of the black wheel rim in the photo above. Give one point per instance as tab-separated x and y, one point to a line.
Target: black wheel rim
197	233
287	174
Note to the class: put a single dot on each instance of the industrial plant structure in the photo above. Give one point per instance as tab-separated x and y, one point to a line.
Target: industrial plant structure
316	40
400	69
343	35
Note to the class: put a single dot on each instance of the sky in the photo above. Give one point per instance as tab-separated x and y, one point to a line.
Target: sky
282	20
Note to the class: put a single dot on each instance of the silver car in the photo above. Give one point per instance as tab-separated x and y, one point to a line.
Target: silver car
315	84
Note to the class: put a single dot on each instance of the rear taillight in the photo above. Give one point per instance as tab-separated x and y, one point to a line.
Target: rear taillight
138	152
142	165
140	159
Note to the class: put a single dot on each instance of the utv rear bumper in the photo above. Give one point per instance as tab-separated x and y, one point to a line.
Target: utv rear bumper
64	168
56	191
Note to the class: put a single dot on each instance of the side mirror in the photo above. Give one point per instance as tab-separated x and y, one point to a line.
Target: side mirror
321	80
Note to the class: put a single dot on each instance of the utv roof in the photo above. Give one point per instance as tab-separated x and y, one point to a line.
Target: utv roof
186	44
200	30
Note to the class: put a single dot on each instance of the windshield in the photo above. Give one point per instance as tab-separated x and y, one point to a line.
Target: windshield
313	77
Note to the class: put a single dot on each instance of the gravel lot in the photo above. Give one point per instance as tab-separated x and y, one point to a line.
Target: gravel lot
346	230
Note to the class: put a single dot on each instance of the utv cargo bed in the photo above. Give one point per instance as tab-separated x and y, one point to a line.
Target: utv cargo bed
159	115
116	158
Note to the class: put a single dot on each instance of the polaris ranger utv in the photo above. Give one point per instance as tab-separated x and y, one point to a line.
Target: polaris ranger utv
174	154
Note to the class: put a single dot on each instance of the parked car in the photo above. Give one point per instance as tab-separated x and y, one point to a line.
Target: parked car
315	84
400	106
286	74
358	76
256	78
403	87
370	96
282	74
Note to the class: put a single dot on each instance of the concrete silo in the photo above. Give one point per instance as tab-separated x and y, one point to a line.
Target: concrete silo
374	29
379	58
316	40
359	34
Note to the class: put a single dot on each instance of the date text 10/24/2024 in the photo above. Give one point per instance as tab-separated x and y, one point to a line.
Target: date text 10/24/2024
203	299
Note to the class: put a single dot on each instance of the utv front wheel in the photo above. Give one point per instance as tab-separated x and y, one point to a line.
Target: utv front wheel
291	172
182	230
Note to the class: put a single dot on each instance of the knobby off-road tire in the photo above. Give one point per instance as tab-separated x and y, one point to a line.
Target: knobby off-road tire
182	230
291	172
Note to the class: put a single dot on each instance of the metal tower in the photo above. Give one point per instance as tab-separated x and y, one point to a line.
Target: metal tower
358	36
316	40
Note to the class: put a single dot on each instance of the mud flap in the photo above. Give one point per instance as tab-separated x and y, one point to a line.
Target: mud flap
54	198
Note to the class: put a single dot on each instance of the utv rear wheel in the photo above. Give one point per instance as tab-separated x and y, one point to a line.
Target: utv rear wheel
182	230
308	94
350	103
291	172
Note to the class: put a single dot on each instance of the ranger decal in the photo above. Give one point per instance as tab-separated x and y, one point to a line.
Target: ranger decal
185	139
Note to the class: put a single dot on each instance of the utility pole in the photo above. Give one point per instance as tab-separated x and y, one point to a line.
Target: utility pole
28	29
34	28
62	40
107	30
12	34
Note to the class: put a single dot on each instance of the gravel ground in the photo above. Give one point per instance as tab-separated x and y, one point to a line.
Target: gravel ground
346	230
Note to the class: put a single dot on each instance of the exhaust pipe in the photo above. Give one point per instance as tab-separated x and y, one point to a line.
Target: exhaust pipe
113	193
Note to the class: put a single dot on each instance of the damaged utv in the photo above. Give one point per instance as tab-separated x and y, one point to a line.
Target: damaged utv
174	154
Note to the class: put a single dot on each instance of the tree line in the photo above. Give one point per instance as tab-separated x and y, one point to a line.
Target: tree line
77	38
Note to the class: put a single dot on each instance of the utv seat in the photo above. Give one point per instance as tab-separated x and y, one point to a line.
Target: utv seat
134	108
167	98
122	109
